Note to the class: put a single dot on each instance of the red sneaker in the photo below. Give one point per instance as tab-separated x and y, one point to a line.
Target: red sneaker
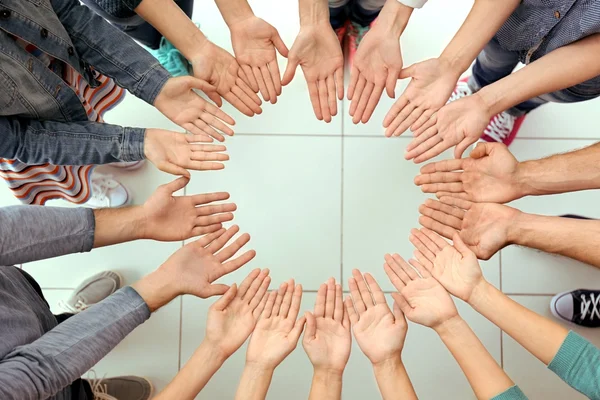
356	33
341	34
503	128
461	90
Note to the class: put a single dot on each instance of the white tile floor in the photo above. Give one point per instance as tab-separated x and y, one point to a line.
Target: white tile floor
320	199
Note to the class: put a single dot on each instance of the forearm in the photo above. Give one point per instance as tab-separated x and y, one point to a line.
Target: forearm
234	11
326	385
73	143
573	238
540	336
42	368
483	372
561	173
254	383
482	23
560	69
394	17
30	233
118	225
194	375
172	23
313	12
393	381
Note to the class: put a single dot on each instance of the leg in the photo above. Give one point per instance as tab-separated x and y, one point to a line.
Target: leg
492	64
364	12
338	13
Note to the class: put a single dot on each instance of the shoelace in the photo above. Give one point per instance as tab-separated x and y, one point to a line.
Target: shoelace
79	306
500	126
461	90
359	32
101	185
590	305
99	389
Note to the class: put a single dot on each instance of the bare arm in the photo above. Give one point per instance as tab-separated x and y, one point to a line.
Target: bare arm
254	383
393	381
560	69
326	385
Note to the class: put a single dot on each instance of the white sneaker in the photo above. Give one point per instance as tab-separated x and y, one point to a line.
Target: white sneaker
128	166
461	90
107	192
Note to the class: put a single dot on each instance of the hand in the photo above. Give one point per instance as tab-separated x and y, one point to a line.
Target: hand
171	218
318	51
178	102
432	82
233	317
455	267
376	66
174	153
220	69
490	174
327	340
379	332
484	227
195	266
459	123
420	296
254	42
277	332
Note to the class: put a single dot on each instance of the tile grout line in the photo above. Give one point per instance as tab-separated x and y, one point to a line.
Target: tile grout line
342	204
180	332
367	136
500	284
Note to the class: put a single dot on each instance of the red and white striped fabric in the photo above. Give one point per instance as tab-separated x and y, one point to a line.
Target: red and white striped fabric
36	184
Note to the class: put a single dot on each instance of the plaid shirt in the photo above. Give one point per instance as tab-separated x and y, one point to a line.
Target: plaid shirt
539	26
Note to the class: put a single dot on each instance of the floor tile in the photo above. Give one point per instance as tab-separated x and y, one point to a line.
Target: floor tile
137	354
537	381
380	206
531	271
293	113
288	194
422	39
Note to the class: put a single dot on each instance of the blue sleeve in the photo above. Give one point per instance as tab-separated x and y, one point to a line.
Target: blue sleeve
111	51
512	393
577	362
69	143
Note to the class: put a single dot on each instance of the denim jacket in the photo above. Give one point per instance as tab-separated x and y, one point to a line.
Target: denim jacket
42	119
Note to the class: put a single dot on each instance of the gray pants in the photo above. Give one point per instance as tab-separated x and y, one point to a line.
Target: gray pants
361	12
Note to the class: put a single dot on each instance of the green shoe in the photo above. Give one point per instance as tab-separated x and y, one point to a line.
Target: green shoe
170	58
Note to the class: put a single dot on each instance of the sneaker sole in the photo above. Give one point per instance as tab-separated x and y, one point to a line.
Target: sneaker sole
134	167
556	314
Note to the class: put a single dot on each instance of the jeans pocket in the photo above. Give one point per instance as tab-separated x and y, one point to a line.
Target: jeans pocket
8	92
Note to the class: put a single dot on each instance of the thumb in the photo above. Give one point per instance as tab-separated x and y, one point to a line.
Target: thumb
173	169
215	97
311	325
224	301
215	290
200	84
401	302
407	72
481	150
290	71
462	146
460	245
177	184
390	85
279	45
398	314
297	330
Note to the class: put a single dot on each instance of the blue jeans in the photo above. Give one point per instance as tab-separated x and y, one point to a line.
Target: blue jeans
495	63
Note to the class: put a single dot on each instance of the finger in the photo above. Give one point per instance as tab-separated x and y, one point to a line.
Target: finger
398	314
455	212
206	198
460	245
398	277
213	118
268	311
201	138
224	301
233	248
245	285
208	239
249	94
352	314
463	195
290	71
332	101
437	227
398	126
268	80
295	333
250	79
213	219
296	301
354	74
255	286
215	97
365	95
359	304
323	100
262	87
215	209
375	290
402	304
363	288
441	217
429	244
313	92
173	169
279	44
190	127
223	239
259	309
287	299
443	166
320	302
410	120
204	156
238	262
433	152
422	271
242	97
428	264
421	247
330	299
371	104
462	146
275	76
216	290
419	140
236	102
242	75
338	312
203	230
176	185
357	96
482	149
346	321
279	300
390	84
407	72
311	326
395	110
431	122
438	177
456	202
423	118
408	270
261	295
434	237
339	83
200	84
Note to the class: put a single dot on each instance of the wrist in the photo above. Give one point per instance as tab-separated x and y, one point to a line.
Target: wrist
486	101
389	365
211	352
257	368
523	179
157	289
517	227
328	375
393	18
449	326
234	11
313	12
480	294
453	64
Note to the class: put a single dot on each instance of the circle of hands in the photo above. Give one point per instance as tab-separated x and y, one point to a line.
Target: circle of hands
468	210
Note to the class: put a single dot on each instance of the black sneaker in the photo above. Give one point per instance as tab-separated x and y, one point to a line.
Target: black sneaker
581	307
